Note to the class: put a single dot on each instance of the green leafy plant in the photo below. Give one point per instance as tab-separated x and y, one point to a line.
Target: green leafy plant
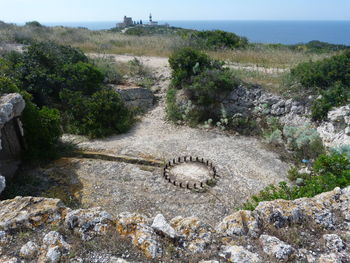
333	97
100	115
42	129
187	63
330	171
218	39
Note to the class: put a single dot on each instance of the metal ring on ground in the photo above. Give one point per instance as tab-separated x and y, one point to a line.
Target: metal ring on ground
191	173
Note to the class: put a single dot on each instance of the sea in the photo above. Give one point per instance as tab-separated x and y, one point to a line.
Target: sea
284	32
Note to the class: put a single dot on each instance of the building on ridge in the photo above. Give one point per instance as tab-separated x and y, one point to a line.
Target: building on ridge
127	22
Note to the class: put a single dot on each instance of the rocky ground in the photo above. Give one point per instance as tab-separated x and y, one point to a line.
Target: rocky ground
123	175
305	230
244	164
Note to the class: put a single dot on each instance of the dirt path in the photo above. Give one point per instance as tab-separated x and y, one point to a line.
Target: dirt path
160	62
243	162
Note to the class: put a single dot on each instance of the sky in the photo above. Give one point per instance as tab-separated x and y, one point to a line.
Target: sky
167	10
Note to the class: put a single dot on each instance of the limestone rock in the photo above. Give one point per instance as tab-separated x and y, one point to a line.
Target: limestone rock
2	183
29	250
54	248
146	239
282	213
11	106
4	238
339	115
143	236
6	259
30	212
195	234
89	222
239	224
53	255
272	246
334	242
117	260
136	97
160	224
127	222
336	130
329	258
238	254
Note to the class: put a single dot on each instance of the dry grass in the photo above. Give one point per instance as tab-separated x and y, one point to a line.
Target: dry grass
271	82
162	45
264	56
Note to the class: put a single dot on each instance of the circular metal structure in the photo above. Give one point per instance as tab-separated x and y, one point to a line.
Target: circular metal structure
190	172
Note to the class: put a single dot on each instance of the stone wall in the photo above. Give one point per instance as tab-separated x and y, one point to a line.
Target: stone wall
11	135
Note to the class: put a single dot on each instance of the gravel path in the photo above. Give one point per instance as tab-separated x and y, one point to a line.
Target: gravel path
243	162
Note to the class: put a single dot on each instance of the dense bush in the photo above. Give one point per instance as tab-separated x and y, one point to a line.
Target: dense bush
47	68
172	109
218	39
330	171
318	47
100	115
333	97
329	78
187	63
325	73
344	149
42	129
62	77
204	84
33	24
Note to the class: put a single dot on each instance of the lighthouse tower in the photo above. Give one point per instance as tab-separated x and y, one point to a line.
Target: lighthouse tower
151	22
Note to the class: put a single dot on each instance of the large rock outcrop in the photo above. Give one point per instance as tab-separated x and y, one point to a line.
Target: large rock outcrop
136	97
304	230
11	141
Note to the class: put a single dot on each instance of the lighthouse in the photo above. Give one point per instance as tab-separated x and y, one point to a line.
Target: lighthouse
151	22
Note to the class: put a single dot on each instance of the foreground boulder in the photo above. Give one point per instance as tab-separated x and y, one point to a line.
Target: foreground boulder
11	135
305	230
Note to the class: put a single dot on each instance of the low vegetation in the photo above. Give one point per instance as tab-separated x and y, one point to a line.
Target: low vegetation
62	89
329	78
163	41
203	83
328	171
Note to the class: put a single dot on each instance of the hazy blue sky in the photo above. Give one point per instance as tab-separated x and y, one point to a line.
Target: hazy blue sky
110	10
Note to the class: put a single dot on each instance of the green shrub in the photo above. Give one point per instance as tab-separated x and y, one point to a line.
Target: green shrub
41	131
33	24
61	77
344	149
211	86
100	115
331	171
109	70
333	97
205	83
7	86
218	39
82	77
324	74
304	141
245	125
173	112
187	63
